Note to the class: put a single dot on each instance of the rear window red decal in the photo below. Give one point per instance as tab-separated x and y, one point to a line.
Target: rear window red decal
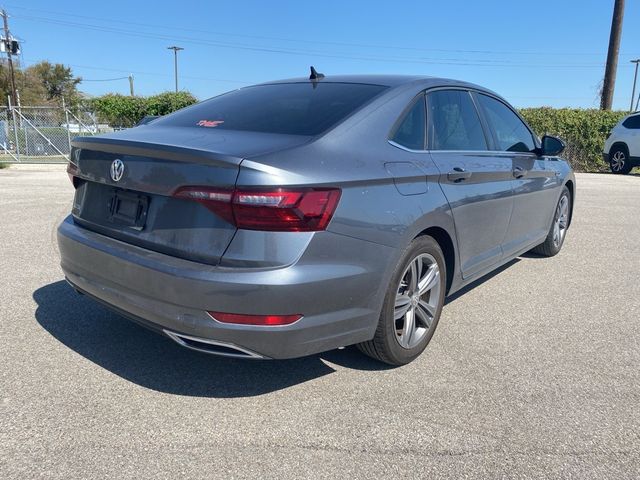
209	123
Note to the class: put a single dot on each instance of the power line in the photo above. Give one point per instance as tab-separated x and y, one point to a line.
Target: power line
315	41
103	79
395	59
139	72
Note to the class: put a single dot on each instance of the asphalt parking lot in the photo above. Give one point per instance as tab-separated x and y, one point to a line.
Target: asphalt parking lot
532	373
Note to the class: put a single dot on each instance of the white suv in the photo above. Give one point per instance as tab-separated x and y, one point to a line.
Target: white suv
622	148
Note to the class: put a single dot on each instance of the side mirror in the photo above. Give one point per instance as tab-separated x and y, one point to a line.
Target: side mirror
146	119
551	146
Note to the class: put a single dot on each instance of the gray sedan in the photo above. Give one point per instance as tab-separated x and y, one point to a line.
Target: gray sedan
298	216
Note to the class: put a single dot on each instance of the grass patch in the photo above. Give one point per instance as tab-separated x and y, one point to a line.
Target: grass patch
4	165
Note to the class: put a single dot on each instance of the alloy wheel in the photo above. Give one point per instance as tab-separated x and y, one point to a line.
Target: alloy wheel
618	160
561	221
417	300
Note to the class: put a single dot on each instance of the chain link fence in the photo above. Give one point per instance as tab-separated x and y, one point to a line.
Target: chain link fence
42	134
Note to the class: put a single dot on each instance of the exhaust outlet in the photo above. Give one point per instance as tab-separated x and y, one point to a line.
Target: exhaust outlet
212	347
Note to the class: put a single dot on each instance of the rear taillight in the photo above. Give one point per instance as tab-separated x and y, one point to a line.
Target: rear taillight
286	210
265	320
72	171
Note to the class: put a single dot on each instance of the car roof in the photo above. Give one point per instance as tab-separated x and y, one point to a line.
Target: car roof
385	80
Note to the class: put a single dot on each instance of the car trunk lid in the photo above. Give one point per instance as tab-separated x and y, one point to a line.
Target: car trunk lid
139	207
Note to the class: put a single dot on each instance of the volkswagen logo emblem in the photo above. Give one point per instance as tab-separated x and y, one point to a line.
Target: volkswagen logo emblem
117	170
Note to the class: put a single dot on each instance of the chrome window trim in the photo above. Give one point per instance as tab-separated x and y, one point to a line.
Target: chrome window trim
402	147
476	152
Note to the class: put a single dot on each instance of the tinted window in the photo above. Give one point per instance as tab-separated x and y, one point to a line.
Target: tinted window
453	122
512	134
410	132
294	108
632	122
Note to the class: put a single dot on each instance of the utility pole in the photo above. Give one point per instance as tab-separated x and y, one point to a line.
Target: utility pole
8	46
175	62
131	85
612	56
635	78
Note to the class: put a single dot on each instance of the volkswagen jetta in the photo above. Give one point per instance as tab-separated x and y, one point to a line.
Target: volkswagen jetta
293	217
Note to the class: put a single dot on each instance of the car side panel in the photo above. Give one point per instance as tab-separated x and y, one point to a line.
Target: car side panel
533	203
481	205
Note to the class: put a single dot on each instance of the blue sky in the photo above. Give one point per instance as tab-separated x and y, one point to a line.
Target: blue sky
534	53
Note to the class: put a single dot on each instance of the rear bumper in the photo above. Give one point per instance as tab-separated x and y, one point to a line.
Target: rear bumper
340	296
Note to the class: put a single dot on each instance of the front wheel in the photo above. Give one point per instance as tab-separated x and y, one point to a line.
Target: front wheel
412	305
619	160
555	238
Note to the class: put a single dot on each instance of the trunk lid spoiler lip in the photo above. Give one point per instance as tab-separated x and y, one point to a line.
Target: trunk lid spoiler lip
191	145
178	153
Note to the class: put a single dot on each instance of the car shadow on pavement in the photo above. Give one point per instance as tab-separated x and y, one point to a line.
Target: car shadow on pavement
480	281
156	362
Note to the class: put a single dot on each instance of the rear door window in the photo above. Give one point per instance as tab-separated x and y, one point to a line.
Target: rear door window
411	130
632	122
454	123
512	135
289	108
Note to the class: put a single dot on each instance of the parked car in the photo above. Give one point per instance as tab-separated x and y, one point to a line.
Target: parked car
622	148
298	216
80	128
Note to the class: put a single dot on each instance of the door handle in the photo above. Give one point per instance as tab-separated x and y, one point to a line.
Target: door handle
458	174
519	172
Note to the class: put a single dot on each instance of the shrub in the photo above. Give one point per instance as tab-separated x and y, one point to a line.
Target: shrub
583	130
168	102
119	110
125	111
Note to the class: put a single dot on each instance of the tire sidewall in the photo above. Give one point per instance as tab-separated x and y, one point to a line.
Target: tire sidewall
399	354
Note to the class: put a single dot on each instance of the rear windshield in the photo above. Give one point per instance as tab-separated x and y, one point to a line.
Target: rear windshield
289	108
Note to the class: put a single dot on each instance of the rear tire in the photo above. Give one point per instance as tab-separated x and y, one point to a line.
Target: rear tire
619	161
558	231
412	305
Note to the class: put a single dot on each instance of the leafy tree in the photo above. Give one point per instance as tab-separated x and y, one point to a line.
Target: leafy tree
41	84
57	80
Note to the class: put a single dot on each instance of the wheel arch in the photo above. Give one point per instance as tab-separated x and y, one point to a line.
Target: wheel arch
446	244
571	186
621	144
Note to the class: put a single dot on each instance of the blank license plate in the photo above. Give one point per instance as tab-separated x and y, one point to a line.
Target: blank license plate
128	209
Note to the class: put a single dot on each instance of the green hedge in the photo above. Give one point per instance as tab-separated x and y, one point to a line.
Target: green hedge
583	130
125	111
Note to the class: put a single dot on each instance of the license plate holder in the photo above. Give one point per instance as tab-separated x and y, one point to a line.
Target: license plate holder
128	209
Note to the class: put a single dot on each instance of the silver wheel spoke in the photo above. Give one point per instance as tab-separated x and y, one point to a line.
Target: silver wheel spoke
426	313
403	303
408	328
417	300
430	280
413	281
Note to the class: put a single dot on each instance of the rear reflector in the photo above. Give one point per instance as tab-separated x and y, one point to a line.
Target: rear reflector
285	210
267	320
